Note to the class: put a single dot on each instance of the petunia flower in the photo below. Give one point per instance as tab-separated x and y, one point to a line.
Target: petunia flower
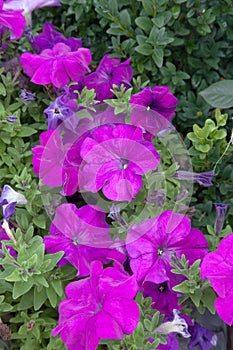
83	235
201	337
4	236
28	6
115	158
49	37
152	244
164	299
177	325
8	200
59	110
13	20
172	343
58	65
153	108
204	179
218	268
110	71
98	307
221	209
55	163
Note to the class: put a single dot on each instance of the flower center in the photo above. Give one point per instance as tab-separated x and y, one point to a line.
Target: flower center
160	251
124	163
57	110
162	288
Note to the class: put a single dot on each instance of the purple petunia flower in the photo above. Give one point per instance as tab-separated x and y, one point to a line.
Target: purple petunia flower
152	108
114	159
218	268
28	6
58	65
221	212
8	200
164	299
3	236
204	179
83	235
172	343
152	244
201	337
101	306
12	20
59	110
110	71
49	37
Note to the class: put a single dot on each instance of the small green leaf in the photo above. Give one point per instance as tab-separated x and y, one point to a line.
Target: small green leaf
157	56
26	131
144	23
144	49
219	94
21	288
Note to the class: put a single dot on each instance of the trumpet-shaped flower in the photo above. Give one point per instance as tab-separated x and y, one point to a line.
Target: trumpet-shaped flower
201	337
101	306
110	71
114	158
49	37
83	235
58	65
152	244
12	20
28	6
218	268
9	199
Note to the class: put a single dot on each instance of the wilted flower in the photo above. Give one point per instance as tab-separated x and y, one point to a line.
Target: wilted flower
83	235
12	20
115	215
27	96
27	6
202	337
152	243
8	200
220	211
49	37
58	65
204	179
218	268
11	118
158	197
110	71
101	306
178	325
114	159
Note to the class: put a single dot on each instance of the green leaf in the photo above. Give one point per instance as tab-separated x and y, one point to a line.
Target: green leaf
144	23
208	299
40	221
144	49
149	7
21	288
125	19
52	296
157	56
26	131
39	298
219	94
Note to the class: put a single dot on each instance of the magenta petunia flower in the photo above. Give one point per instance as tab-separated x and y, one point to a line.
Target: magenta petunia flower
83	235
110	71
153	108
152	244
114	158
28	6
58	65
55	163
49	37
12	20
99	307
218	268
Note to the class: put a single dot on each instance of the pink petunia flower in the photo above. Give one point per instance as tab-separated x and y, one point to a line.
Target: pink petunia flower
28	6
110	71
58	65
99	307
151	245
218	268
114	158
12	20
83	235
